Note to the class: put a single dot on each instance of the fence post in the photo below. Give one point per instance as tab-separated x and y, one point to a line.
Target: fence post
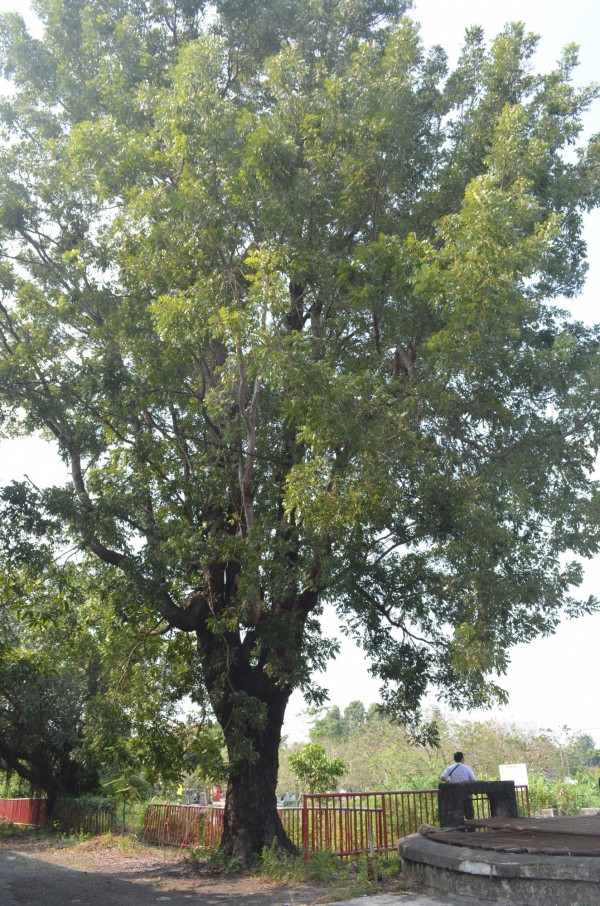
384	833
305	828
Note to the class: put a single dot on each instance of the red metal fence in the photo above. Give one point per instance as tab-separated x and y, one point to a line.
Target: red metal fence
345	823
23	811
183	825
342	823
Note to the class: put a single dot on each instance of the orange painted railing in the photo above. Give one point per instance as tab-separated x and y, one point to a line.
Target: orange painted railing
343	823
183	825
23	811
348	823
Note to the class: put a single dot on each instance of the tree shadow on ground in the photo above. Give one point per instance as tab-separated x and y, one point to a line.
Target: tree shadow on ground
28	881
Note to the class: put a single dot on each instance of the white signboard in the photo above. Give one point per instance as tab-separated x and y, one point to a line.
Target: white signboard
516	772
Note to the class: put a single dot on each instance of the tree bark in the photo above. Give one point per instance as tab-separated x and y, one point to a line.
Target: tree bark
251	821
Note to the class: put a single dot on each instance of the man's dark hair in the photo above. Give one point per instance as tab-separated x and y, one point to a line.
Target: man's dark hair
458	756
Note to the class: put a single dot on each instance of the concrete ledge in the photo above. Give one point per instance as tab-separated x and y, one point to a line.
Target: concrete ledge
515	879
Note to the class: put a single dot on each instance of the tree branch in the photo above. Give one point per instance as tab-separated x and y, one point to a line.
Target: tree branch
247	464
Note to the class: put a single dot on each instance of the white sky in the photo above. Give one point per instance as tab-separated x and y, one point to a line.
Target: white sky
552	682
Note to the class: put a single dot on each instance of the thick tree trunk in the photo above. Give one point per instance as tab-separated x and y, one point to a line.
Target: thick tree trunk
58	774
249	677
251	821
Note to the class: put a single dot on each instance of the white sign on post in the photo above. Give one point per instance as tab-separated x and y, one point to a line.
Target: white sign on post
516	772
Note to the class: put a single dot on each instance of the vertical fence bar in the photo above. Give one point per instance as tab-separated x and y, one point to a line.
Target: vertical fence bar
305	828
382	834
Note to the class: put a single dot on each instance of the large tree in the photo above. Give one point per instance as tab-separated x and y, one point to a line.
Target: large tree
284	293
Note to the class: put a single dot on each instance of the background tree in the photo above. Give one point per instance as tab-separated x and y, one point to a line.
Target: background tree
283	297
43	688
330	726
83	700
316	771
335	725
381	755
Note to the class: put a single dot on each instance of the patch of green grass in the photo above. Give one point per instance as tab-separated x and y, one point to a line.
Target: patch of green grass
343	878
128	844
24	832
227	865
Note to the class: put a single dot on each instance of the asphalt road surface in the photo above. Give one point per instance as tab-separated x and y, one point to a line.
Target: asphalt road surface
30	881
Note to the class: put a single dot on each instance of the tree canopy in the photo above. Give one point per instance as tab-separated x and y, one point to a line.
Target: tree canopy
83	696
286	294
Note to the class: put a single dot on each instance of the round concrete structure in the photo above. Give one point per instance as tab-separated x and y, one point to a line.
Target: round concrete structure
521	879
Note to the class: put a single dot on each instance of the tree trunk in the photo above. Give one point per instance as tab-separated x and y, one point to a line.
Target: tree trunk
57	773
251	820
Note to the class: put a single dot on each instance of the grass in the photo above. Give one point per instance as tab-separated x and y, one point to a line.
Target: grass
340	879
27	832
343	878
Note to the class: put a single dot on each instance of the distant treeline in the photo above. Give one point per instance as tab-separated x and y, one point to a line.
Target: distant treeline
380	754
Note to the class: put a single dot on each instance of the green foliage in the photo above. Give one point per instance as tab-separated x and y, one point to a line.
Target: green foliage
10	832
79	701
221	862
285	302
47	673
581	751
315	769
381	755
334	725
204	752
280	866
285	868
87	804
567	795
345	879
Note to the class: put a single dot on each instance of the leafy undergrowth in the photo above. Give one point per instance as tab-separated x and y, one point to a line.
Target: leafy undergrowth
343	878
10	832
338	879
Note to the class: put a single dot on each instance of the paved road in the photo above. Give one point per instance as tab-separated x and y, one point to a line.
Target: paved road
415	899
27	881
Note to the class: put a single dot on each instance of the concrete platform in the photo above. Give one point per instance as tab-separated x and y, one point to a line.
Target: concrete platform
515	879
415	899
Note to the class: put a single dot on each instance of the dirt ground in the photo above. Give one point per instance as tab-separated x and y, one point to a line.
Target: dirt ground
107	871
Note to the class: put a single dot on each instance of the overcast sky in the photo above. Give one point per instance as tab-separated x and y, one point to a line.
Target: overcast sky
552	682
